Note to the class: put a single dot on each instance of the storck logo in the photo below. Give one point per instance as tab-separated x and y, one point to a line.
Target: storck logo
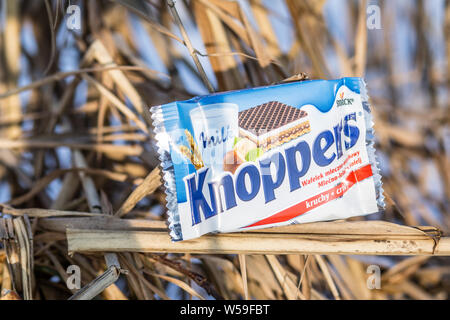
343	136
344	102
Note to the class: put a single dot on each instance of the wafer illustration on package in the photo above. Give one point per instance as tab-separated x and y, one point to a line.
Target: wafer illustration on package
272	124
269	156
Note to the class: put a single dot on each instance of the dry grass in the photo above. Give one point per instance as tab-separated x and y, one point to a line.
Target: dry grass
78	171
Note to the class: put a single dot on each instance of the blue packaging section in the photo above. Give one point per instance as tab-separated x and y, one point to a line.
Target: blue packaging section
320	93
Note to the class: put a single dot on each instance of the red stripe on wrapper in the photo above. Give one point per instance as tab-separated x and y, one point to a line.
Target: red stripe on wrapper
309	204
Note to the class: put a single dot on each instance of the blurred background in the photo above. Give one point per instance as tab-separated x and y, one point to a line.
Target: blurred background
77	79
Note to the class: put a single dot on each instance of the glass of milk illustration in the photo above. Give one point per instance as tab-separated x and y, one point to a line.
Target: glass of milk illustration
215	127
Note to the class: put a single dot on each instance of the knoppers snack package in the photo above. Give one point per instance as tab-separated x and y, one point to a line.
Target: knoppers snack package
269	156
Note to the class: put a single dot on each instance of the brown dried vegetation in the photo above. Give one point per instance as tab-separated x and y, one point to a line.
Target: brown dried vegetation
79	176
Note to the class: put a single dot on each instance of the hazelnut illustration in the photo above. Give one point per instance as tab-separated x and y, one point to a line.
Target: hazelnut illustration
235	157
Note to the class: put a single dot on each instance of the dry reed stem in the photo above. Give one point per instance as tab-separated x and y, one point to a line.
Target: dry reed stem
25	240
12	51
361	41
291	291
243	266
327	275
98	285
189	46
43	213
116	102
256	243
61	75
112	273
148	186
179	283
135	150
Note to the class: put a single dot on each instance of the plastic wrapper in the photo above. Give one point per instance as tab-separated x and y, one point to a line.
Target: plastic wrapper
268	156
